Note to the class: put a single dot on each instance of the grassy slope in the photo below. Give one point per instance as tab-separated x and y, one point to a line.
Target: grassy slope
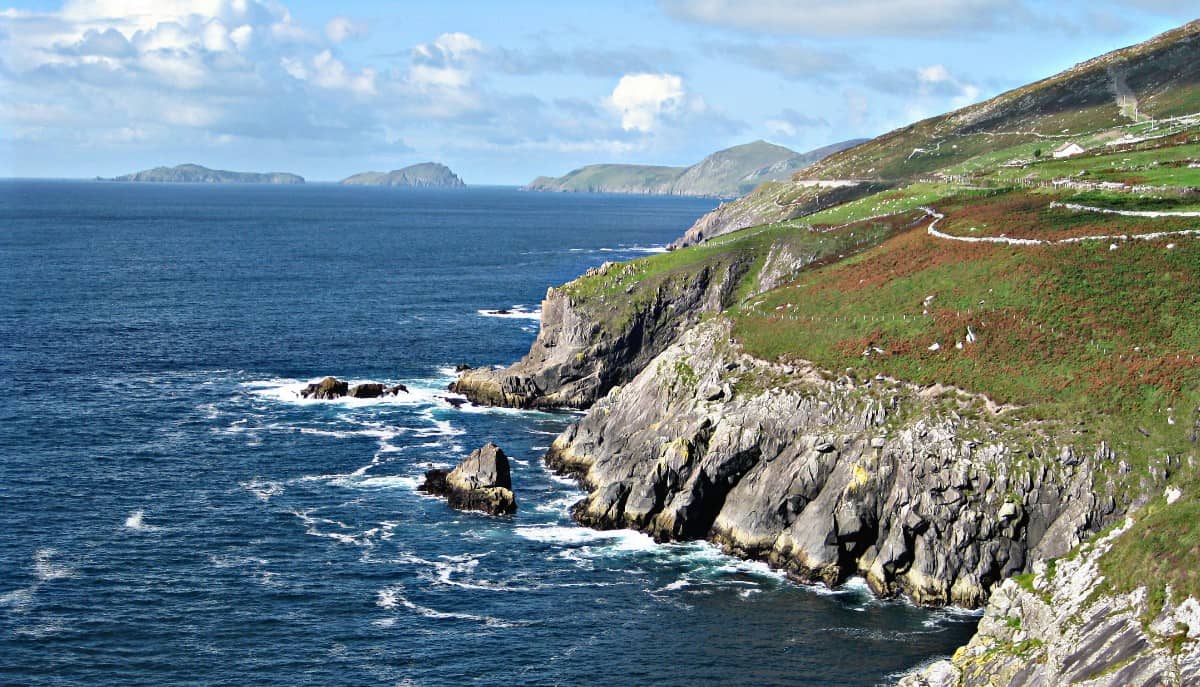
1163	72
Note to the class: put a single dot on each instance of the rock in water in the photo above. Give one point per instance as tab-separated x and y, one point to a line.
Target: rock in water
481	482
327	388
366	390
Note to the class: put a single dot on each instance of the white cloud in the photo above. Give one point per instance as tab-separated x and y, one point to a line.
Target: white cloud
341	29
642	99
330	72
862	17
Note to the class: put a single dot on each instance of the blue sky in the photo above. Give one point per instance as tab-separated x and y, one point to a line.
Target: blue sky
505	91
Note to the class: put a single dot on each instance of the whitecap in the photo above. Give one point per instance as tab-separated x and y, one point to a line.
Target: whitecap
46	570
614	540
136	521
515	312
392	597
18	600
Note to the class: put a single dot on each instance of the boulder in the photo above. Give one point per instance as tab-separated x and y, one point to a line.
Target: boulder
327	388
481	482
397	389
370	390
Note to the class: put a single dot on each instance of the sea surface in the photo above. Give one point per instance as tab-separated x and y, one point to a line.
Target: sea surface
172	513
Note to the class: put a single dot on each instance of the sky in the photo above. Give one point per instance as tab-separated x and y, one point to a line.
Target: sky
506	91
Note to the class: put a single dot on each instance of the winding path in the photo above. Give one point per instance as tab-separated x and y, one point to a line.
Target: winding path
937	217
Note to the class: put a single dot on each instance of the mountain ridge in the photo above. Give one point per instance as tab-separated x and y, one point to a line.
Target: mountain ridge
725	173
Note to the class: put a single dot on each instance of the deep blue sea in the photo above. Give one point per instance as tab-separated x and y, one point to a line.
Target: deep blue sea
171	513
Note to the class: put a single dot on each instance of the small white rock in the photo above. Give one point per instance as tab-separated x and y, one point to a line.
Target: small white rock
1172	494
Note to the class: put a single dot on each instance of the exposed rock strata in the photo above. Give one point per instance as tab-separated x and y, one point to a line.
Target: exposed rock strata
1057	630
481	482
825	479
578	355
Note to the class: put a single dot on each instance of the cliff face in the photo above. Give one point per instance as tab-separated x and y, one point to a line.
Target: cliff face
578	355
827	479
1060	626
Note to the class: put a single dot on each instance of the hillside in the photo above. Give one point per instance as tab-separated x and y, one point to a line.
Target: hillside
423	175
725	173
196	174
969	375
1151	81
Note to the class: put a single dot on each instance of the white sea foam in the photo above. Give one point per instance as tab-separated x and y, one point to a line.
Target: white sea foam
381	482
515	312
561	504
18	600
287	390
614	540
391	598
46	569
136	521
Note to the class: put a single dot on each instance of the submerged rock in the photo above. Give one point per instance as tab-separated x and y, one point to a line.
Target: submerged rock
328	388
481	482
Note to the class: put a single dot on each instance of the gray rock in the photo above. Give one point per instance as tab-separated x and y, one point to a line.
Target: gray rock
481	482
328	388
370	390
795	476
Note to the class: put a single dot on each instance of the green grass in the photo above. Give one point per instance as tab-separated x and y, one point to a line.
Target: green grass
1074	333
1145	167
613	297
1160	550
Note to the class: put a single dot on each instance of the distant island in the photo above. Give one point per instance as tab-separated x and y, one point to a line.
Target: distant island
726	173
197	174
423	175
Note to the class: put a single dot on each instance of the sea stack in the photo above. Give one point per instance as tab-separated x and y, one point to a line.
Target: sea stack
481	482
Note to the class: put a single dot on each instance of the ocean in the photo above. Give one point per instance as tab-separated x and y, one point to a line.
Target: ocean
172	513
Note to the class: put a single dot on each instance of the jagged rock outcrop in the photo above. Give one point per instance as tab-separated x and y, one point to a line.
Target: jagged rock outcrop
328	388
331	388
481	482
826	479
368	390
1060	626
582	350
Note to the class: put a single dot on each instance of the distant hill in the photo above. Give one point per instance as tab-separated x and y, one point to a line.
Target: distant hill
196	174
726	173
423	175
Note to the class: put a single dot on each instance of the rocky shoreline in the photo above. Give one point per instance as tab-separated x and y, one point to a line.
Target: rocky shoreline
826	478
926	493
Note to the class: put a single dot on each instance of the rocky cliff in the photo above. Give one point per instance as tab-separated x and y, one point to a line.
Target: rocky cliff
586	345
827	478
1060	625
